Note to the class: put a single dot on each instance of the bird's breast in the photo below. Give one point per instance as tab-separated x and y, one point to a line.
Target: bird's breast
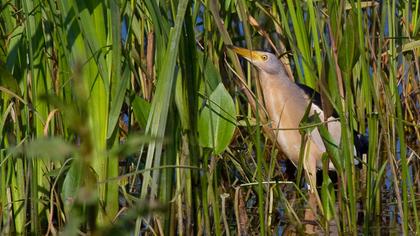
285	109
286	105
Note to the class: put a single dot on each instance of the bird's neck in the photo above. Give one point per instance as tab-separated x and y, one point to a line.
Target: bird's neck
276	83
280	78
282	95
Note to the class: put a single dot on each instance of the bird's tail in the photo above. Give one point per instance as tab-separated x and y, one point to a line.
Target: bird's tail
361	144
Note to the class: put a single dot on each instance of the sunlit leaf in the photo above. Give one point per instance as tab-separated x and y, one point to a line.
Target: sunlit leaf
71	185
348	51
217	123
141	109
7	81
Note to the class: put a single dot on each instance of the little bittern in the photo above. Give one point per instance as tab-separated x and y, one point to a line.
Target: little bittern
286	103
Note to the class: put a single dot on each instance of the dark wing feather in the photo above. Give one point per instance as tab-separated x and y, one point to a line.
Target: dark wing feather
360	140
311	93
315	97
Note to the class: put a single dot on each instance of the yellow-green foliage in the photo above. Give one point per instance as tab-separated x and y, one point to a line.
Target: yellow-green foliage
121	117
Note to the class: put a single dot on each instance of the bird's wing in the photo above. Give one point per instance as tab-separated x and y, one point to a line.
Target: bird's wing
310	92
315	97
360	140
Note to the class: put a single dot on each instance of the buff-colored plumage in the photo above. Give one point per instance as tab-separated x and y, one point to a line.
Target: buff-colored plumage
286	104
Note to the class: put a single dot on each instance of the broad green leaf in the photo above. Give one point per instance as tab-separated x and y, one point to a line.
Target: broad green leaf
181	101
141	109
117	102
212	75
331	146
227	4
348	51
71	185
217	123
8	81
118	91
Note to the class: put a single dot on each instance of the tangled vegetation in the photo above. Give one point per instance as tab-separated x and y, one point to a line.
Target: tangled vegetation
122	117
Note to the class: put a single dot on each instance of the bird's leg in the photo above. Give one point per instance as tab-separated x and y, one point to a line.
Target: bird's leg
309	165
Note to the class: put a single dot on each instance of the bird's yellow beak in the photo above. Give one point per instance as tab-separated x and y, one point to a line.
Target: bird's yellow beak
247	54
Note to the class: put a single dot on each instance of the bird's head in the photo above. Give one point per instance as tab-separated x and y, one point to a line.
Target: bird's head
265	61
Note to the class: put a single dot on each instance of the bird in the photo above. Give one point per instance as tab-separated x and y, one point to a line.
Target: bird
286	103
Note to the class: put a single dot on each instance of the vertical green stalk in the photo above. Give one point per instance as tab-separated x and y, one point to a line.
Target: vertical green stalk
243	17
31	25
260	179
204	189
302	41
415	17
16	126
396	100
405	179
18	188
118	85
39	41
347	141
98	101
88	33
168	174
365	77
190	87
158	116
313	20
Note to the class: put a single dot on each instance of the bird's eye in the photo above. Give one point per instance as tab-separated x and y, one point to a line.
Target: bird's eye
264	57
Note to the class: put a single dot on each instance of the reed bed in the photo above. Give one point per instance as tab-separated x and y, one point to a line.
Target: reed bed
132	117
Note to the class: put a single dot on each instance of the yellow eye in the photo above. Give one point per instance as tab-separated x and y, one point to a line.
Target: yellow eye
264	57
